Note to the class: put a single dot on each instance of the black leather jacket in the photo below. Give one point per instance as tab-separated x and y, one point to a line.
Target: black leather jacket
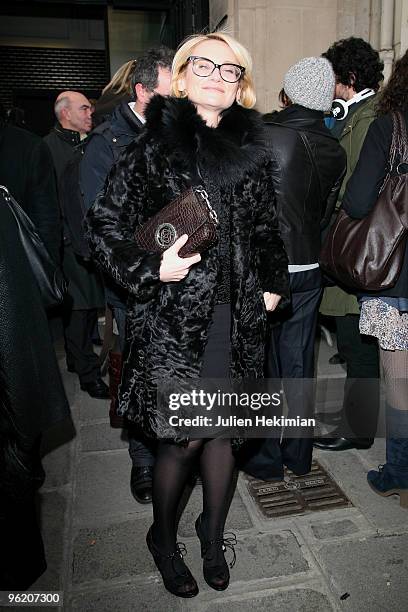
308	166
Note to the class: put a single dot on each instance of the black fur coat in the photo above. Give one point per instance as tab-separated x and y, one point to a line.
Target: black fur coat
168	322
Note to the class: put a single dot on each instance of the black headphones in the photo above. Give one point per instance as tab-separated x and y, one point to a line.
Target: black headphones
340	108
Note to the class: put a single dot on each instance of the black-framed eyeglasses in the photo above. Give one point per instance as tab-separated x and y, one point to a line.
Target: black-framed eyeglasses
203	67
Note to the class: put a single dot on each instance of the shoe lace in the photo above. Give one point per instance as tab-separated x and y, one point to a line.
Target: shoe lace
179	552
228	540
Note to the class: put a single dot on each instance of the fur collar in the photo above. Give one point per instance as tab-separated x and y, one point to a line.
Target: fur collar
227	153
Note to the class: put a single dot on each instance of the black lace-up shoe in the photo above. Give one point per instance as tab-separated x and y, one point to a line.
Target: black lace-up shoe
177	578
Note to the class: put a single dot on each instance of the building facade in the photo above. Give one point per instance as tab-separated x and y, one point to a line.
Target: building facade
280	32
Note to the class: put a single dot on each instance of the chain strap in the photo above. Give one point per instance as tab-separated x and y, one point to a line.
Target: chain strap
202	192
6	192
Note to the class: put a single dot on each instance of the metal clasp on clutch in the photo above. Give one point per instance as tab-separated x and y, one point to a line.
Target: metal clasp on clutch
202	192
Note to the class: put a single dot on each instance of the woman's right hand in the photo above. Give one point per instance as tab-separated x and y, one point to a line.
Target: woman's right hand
174	268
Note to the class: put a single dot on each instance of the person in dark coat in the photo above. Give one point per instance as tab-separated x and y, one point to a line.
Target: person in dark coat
201	315
384	314
358	69
151	74
85	290
32	399
73	112
26	169
308	169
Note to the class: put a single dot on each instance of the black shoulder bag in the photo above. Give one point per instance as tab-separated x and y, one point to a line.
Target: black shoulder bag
50	279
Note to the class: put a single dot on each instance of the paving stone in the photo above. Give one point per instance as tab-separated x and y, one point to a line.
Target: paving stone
374	456
101	436
351	475
373	571
53	508
91	409
116	551
120	551
334	529
113	570
129	598
258	556
103	487
298	600
238	517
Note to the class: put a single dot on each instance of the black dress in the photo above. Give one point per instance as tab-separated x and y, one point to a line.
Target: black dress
216	363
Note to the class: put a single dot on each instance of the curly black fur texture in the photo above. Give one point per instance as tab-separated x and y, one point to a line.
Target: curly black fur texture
356	63
168	322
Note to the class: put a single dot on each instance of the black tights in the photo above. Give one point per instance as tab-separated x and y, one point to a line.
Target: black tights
173	466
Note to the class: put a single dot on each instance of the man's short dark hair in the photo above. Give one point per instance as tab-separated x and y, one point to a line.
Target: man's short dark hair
356	63
147	66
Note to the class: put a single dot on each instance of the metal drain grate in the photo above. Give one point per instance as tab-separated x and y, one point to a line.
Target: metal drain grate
298	494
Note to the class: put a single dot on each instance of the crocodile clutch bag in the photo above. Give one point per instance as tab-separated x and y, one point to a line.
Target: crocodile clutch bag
190	213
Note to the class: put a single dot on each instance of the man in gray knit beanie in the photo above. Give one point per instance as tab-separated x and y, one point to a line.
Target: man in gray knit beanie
308	166
310	83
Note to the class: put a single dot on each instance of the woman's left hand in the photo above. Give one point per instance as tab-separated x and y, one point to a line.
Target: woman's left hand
271	300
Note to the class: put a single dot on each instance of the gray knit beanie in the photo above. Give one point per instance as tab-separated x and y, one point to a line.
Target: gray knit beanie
311	83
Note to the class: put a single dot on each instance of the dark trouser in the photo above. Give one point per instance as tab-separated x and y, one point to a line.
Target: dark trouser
95	336
291	355
78	344
140	452
361	402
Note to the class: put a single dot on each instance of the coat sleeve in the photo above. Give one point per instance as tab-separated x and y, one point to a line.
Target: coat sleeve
272	260
333	197
111	223
364	184
42	199
95	166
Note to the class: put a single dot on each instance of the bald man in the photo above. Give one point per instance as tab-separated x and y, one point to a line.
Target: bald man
73	112
74	120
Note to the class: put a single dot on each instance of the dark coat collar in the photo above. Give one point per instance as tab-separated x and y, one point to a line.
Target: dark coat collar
124	119
300	118
236	147
70	136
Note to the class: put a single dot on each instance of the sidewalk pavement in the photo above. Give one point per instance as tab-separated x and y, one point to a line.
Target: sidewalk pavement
349	559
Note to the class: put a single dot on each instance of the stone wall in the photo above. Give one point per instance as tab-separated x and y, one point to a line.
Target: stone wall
280	32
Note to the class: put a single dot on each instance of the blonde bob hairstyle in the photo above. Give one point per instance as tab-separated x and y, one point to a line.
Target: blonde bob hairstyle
246	96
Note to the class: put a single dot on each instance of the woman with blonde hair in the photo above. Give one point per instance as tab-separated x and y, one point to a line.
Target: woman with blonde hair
201	315
119	88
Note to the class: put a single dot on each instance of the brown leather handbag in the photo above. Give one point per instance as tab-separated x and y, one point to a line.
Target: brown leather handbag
190	213
367	254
